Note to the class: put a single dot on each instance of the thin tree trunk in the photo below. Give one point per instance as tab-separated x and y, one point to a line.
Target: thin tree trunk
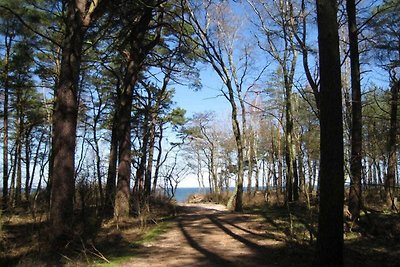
149	169
250	159
330	220
18	149
238	194
35	162
355	200
392	160
27	164
280	166
98	166
302	179
141	170
158	162
8	42
112	168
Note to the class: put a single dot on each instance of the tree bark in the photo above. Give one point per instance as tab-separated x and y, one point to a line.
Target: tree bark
112	169
28	163
8	42
158	161
149	169
137	53
238	195
355	200
78	18
121	209
330	220
18	148
392	159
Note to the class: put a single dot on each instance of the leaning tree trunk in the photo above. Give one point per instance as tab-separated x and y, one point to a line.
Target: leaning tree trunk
356	123
330	220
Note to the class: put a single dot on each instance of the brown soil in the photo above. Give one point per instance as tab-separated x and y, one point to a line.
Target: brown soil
209	235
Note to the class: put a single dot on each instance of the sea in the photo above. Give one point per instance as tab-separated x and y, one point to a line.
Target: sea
182	194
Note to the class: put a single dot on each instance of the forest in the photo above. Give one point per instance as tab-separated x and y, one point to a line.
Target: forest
95	146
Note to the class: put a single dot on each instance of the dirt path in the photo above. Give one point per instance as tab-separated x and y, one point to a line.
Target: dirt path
208	235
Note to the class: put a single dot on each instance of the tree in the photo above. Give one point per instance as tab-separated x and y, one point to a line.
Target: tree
280	45
386	42
330	219
356	118
143	34
8	40
79	17
217	36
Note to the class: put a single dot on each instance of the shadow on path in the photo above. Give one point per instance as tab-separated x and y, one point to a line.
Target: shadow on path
210	256
210	237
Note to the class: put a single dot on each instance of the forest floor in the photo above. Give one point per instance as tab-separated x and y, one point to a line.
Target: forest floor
209	235
203	234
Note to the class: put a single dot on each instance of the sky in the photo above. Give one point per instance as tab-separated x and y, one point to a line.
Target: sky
208	98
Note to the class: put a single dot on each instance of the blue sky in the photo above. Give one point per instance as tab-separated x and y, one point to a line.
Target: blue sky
209	98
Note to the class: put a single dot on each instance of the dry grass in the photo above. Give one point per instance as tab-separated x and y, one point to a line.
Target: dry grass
25	237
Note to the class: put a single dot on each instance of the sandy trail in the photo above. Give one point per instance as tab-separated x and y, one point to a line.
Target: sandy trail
209	235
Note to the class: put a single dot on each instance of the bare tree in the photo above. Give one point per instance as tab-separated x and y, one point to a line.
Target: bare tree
277	39
217	31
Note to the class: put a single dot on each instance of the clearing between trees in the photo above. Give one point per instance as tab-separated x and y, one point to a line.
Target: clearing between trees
209	235
206	234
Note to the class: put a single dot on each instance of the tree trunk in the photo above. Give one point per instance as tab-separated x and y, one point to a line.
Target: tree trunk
141	170
121	209
137	53
28	163
149	169
289	155
8	41
35	163
65	121
302	179
112	168
238	194
250	158
330	220
18	148
280	167
98	165
355	200
158	162
392	159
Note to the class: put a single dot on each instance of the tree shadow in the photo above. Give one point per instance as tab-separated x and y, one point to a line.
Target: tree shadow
212	257
281	254
257	248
